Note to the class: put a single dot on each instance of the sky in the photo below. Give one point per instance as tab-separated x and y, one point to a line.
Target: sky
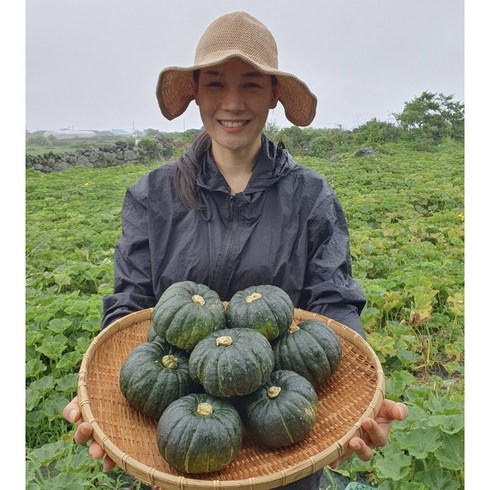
93	64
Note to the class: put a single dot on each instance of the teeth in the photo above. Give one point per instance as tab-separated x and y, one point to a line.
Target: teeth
233	124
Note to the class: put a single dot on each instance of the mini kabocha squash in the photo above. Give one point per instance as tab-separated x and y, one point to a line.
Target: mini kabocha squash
154	375
282	412
151	335
265	308
199	433
186	313
310	348
232	362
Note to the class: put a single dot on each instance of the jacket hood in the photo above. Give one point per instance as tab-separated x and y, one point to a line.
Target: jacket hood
272	165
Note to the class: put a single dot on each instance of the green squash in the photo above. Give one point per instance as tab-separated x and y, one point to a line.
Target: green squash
186	313
282	412
310	348
199	433
265	308
154	375
232	362
151	334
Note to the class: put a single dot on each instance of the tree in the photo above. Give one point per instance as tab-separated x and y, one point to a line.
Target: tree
433	115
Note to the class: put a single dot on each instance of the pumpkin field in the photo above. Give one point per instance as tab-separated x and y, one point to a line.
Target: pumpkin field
405	212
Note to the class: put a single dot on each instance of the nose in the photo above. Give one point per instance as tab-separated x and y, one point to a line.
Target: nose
232	100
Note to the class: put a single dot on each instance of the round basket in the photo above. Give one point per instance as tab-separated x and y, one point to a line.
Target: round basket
354	393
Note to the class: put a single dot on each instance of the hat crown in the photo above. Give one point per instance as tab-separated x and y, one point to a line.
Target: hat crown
235	34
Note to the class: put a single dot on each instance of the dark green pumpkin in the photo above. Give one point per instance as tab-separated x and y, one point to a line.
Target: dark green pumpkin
151	335
186	313
282	412
199	433
265	308
232	362
154	375
310	348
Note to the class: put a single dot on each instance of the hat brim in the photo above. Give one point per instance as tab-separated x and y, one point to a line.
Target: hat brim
175	90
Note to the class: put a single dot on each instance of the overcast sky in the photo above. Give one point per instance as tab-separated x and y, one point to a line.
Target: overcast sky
93	64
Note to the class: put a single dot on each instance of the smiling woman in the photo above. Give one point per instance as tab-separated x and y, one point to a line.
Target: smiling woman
236	210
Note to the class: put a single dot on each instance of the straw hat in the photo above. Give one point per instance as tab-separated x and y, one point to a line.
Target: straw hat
236	35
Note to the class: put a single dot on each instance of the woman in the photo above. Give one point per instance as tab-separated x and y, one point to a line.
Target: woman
236	210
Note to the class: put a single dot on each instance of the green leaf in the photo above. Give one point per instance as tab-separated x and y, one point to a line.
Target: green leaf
34	367
33	398
54	404
68	481
394	466
451	452
67	383
69	360
43	385
49	452
419	442
52	347
451	424
59	325
438	478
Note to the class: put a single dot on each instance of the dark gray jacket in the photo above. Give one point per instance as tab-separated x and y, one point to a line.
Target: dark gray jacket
287	229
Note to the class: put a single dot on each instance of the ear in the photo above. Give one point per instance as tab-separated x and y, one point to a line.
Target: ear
274	97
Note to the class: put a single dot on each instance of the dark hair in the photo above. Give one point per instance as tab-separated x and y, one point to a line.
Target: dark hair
188	166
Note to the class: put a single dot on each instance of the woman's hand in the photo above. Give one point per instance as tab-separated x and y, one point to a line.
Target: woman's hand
83	434
375	432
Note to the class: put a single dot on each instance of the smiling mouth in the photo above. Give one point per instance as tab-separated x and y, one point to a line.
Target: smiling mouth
233	124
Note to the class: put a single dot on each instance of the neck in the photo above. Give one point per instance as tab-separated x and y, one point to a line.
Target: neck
236	166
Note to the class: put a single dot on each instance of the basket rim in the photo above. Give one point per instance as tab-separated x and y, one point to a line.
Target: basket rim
303	468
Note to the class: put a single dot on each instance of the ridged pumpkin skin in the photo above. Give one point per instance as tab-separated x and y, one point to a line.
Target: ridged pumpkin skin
199	433
154	375
186	313
232	362
311	349
265	308
282	412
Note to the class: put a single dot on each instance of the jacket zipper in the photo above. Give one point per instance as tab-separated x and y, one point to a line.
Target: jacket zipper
220	275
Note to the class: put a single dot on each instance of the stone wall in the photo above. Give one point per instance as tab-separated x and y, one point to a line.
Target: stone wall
122	152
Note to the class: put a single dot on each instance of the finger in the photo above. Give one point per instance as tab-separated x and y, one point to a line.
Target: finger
362	450
83	433
374	433
108	464
391	410
71	412
399	411
95	450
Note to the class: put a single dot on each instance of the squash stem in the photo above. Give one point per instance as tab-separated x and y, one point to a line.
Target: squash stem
253	297
169	361
204	409
273	391
223	341
197	299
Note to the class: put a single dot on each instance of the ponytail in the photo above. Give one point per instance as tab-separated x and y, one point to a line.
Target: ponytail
188	166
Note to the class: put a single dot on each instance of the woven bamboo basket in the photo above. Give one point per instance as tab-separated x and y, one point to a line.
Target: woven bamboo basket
354	393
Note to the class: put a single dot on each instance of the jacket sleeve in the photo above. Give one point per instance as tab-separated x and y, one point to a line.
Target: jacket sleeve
329	288
133	288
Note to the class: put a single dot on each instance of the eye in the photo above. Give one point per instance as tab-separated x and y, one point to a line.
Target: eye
251	85
214	84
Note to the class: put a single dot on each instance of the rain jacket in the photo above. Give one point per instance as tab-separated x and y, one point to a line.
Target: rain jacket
287	228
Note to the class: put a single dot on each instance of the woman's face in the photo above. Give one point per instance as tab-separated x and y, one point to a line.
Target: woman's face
234	101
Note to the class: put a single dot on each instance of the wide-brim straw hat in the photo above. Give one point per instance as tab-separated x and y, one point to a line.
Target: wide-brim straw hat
236	35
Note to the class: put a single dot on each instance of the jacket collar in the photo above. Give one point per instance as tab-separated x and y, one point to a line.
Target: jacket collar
272	164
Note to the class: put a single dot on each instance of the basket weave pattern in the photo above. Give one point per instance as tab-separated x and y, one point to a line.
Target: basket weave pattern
353	393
